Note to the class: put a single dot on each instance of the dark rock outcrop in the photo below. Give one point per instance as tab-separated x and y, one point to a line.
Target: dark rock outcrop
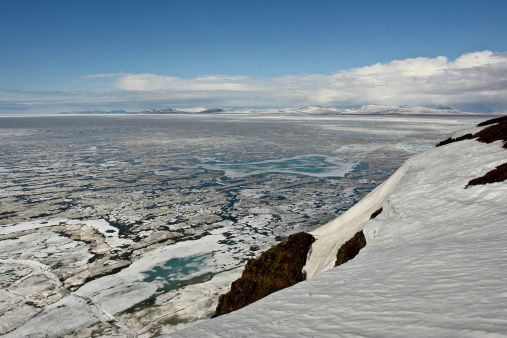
498	174
452	140
278	268
496	132
350	249
376	213
492	121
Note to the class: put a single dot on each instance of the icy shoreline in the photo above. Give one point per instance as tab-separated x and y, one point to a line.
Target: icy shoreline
434	264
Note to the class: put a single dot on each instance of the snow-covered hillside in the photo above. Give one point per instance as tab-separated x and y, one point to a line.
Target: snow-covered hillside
372	109
435	263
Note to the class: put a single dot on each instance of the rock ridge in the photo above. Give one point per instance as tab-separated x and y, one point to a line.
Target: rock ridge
279	267
497	131
498	174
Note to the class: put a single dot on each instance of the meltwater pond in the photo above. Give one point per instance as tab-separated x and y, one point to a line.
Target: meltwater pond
311	165
150	218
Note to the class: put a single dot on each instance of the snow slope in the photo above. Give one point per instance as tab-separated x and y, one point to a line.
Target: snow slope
435	264
330	237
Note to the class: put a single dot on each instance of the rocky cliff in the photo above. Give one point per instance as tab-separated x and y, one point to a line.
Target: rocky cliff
278	268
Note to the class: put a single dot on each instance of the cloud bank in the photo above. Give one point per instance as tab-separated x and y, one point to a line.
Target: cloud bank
473	82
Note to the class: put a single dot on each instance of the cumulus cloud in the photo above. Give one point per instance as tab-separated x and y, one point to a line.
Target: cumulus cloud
474	77
474	82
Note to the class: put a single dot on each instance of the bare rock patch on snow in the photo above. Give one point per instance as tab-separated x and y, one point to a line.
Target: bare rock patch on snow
278	268
497	131
350	249
498	174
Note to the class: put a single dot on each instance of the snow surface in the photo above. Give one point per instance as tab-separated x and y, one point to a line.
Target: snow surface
30	225
330	237
104	297
110	233
435	264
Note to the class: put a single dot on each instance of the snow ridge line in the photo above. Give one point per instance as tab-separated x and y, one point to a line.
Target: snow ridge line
102	315
331	236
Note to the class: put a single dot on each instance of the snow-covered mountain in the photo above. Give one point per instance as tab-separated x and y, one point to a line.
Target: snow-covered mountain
435	263
96	112
402	110
196	110
306	110
364	110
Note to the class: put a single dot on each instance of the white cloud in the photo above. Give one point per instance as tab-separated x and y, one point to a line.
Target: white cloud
475	81
147	82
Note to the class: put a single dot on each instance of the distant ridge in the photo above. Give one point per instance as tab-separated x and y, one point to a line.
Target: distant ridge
95	112
198	110
314	110
374	109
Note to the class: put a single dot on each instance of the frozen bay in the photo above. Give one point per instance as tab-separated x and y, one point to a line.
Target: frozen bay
146	219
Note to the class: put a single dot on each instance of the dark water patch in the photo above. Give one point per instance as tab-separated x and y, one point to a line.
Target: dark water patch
7	214
128	181
360	167
174	272
149	217
175	320
150	301
173	275
92	259
226	241
41	215
123	229
64	206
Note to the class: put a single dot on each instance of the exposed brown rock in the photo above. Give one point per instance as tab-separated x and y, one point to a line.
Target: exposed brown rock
452	140
376	213
496	132
492	121
350	249
496	175
278	268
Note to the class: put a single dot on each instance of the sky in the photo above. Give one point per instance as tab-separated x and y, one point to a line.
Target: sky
135	55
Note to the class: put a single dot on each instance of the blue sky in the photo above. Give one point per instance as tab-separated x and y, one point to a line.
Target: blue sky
73	55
